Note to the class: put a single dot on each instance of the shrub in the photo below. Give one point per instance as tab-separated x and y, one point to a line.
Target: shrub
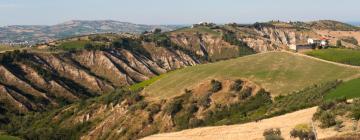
237	86
327	119
215	86
272	134
245	93
327	105
205	100
303	132
174	107
355	110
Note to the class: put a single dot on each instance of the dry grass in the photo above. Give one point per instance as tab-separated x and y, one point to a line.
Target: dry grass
248	131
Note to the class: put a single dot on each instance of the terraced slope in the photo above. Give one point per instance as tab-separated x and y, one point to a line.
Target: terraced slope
277	72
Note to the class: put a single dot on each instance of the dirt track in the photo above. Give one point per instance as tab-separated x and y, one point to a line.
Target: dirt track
248	131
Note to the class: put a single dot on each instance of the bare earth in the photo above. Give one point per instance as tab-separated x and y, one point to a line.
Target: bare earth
248	131
338	34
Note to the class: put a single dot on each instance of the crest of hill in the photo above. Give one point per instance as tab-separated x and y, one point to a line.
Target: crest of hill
333	25
318	25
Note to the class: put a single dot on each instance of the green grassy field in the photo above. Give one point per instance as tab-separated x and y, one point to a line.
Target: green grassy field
277	72
73	45
345	56
350	89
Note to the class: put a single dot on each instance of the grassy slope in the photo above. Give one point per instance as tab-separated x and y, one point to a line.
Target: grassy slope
350	89
345	56
278	72
73	45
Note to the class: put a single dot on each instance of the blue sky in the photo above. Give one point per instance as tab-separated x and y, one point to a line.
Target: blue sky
48	12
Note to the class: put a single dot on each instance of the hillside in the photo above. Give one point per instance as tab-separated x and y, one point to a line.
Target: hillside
249	131
128	86
66	71
278	72
38	33
242	94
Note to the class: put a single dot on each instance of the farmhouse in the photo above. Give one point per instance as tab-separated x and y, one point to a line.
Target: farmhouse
319	42
311	44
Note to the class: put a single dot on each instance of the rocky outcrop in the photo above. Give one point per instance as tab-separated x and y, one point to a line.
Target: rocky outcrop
272	38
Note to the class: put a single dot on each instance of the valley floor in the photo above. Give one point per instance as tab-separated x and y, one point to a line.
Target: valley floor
248	131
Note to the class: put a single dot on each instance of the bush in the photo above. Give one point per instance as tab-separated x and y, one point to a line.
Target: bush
245	93
237	86
327	119
303	132
174	107
327	105
272	134
215	86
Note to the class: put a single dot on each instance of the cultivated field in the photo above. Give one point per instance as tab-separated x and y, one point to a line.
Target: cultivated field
345	56
350	89
277	72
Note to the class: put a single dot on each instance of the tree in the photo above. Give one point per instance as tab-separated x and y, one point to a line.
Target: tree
215	86
157	31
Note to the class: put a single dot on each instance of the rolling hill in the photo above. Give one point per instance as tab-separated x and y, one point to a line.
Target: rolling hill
91	86
39	33
277	72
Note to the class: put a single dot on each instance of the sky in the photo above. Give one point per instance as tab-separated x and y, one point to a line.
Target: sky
50	12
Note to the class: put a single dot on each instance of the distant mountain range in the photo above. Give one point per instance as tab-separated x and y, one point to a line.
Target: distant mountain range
30	34
355	23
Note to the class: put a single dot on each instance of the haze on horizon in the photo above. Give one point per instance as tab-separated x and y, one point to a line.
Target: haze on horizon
45	12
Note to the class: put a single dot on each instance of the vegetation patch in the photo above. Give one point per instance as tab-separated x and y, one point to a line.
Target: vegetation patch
348	90
5	137
73	45
273	71
345	56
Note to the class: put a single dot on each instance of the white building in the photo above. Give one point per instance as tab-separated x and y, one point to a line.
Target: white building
318	42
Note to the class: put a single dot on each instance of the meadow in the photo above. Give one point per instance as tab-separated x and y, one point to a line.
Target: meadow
279	73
